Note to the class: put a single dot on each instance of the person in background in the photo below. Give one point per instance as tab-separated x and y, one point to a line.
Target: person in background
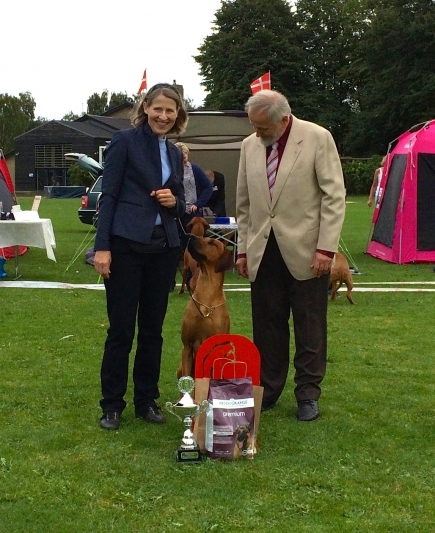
290	208
217	200
375	189
136	249
197	190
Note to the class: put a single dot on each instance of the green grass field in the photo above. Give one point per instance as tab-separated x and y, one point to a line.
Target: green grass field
367	465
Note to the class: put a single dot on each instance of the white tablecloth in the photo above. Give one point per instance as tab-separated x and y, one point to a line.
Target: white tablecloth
227	232
38	233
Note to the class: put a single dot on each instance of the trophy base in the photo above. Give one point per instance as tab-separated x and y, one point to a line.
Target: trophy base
189	455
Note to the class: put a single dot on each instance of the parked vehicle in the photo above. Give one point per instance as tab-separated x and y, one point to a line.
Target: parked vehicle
87	210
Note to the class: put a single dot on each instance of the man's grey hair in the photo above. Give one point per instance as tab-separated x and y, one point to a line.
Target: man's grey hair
273	103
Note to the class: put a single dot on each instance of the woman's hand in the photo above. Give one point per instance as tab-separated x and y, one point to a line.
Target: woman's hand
193	208
102	262
165	197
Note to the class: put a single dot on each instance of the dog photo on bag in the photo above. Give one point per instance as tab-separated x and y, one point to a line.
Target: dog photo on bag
229	419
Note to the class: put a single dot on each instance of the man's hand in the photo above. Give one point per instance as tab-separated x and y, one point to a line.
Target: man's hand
242	267
321	264
102	262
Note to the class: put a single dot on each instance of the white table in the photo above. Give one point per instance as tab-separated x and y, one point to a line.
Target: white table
227	233
37	233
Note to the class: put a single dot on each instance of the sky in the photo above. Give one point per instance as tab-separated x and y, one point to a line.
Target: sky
63	52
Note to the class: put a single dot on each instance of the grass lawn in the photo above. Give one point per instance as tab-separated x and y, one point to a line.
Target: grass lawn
367	465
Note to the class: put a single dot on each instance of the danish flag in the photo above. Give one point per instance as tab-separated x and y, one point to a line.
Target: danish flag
143	84
263	82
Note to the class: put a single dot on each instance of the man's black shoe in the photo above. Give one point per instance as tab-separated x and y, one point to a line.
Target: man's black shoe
308	410
110	420
267	406
152	414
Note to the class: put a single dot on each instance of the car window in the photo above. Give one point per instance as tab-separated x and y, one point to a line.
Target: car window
97	185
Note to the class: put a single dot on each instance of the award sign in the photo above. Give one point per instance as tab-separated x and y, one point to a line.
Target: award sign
186	409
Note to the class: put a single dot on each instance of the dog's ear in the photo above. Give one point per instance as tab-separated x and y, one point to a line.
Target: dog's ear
206	224
189	225
225	262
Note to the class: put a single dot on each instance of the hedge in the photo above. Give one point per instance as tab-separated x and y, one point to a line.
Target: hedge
358	174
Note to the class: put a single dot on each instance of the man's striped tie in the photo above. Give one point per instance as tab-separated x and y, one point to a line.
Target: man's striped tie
272	166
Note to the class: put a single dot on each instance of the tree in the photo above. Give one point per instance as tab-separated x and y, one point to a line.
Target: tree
79	176
97	104
117	99
16	117
331	31
189	103
398	69
38	122
250	38
70	117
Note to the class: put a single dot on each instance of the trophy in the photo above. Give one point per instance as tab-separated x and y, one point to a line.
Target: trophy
187	409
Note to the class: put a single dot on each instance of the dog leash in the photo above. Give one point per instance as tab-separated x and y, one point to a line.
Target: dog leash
210	308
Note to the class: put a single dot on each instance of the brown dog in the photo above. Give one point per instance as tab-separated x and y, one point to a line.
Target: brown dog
340	273
197	226
206	313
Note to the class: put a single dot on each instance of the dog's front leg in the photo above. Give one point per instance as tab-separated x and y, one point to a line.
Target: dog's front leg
186	367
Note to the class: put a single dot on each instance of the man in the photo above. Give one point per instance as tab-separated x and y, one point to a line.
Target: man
289	222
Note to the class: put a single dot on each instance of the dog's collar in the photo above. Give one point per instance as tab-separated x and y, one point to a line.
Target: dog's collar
208	307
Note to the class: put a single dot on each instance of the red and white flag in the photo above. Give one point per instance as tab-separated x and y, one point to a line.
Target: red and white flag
143	84
263	82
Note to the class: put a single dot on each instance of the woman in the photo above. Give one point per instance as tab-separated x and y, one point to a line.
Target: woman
376	185
197	188
137	245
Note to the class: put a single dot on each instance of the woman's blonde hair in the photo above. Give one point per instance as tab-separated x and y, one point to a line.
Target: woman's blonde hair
139	117
183	147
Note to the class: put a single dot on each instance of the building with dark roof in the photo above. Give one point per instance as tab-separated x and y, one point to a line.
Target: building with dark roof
40	153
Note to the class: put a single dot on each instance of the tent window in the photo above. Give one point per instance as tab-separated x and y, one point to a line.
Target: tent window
384	229
426	202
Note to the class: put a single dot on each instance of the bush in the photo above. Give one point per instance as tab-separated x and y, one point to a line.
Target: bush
358	174
80	177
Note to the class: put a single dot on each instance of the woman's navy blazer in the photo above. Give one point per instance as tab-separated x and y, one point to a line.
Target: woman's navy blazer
132	170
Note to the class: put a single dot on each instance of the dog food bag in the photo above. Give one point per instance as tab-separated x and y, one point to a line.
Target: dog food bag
229	426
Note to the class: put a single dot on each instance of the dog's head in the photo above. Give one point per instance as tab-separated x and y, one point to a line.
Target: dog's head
198	226
206	250
243	436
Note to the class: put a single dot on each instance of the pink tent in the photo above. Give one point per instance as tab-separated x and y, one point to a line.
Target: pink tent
404	219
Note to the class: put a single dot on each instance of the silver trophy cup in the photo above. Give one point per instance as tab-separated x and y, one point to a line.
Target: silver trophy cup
186	409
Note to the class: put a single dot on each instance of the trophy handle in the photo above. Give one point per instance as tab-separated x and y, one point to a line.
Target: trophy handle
170	407
203	406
